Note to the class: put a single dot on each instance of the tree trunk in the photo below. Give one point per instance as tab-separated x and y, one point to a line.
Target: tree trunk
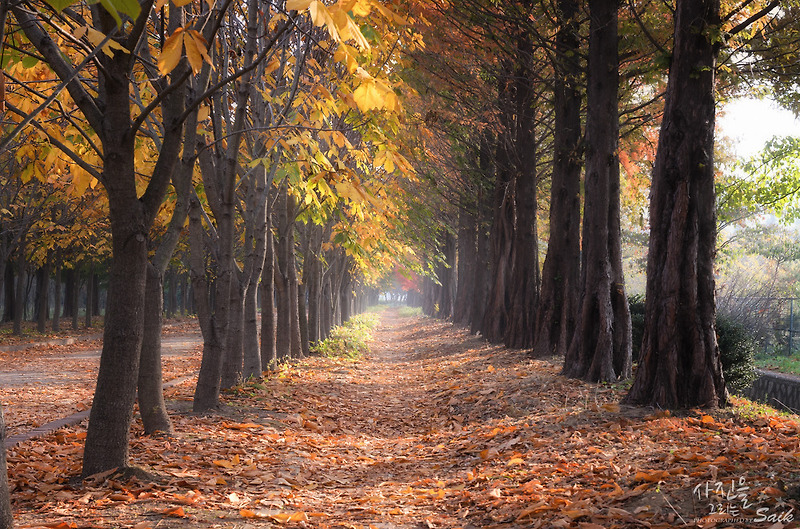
268	330
252	354
150	382
445	274
233	361
555	319
9	301
601	347
6	515
467	248
112	410
19	296
89	296
501	236
680	362
75	298
56	323
42	297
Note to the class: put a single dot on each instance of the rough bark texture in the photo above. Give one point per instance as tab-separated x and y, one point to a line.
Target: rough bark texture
501	238
558	301
524	279
233	361
680	363
601	347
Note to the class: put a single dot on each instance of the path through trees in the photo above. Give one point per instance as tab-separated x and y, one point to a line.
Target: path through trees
434	428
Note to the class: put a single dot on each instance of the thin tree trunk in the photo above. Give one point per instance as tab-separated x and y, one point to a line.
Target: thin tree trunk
150	381
19	297
56	323
6	515
268	331
89	295
42	296
680	361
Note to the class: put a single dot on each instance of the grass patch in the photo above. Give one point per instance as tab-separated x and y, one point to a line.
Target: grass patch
408	312
784	364
349	340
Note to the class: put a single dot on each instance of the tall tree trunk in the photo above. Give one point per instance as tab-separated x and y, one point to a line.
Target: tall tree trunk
524	278
679	361
42	296
501	239
558	303
601	347
6	515
481	280
56	323
445	275
467	247
19	296
268	330
89	297
75	298
9	301
150	381
251	367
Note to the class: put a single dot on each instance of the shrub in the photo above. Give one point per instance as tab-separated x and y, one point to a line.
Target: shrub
349	340
737	345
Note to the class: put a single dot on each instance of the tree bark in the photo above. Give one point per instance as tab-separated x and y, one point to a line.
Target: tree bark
467	248
233	360
150	381
268	331
680	361
601	346
42	296
56	323
6	515
558	302
89	297
19	296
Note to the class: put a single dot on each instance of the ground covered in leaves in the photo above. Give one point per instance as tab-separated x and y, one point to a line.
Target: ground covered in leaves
433	429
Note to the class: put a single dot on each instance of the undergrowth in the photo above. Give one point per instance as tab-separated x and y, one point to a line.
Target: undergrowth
406	312
349	340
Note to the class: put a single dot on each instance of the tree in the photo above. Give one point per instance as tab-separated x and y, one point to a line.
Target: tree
679	360
561	270
601	346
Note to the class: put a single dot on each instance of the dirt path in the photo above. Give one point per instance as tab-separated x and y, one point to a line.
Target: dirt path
434	429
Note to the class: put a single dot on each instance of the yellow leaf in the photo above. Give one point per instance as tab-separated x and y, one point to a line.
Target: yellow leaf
171	54
515	461
181	3
297	5
223	463
322	17
198	45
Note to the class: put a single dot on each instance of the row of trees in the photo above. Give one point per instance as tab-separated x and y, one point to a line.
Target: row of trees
562	95
262	143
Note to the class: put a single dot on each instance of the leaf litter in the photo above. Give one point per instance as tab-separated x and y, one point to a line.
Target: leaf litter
432	429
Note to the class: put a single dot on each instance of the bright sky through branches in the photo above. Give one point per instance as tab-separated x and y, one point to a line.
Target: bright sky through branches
750	123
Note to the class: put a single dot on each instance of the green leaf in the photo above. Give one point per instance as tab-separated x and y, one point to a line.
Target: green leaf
130	8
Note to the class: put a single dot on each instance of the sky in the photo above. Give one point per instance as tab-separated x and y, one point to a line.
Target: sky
751	122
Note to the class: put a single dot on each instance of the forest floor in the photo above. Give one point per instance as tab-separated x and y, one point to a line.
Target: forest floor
432	429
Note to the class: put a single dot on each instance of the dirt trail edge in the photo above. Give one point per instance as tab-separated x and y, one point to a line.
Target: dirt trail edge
433	429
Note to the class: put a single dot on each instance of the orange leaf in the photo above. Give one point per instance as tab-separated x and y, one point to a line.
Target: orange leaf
240	426
175	512
171	54
247	513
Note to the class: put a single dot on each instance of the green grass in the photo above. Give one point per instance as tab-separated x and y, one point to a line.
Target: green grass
407	312
351	339
784	364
